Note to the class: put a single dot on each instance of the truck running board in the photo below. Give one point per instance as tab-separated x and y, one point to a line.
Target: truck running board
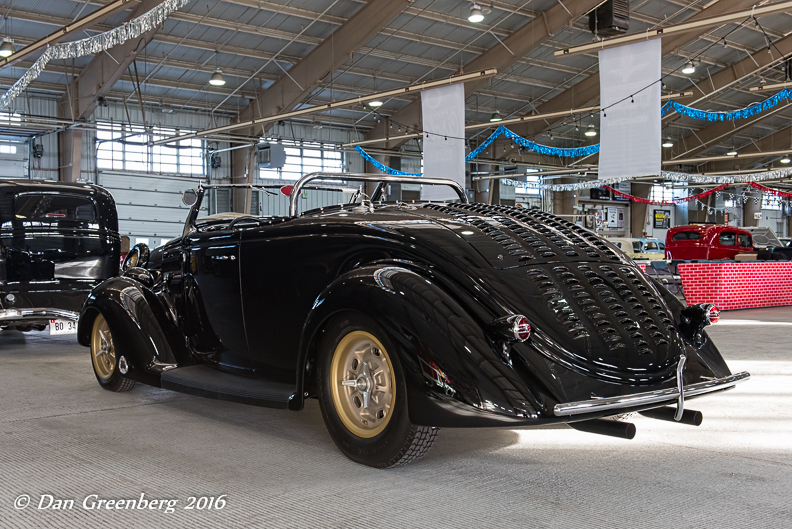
208	382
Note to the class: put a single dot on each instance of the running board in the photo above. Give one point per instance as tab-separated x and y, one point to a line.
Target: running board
207	382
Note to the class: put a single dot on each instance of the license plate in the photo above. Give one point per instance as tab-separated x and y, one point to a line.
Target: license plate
63	327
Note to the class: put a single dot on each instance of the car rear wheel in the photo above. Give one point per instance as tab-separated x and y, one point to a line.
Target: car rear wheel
363	397
104	359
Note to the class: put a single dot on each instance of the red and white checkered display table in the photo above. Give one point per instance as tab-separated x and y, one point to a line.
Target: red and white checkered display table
738	285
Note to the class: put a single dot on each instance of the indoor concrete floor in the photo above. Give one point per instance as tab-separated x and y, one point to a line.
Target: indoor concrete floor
61	435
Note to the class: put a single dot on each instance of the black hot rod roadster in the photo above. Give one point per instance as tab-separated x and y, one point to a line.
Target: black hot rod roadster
402	319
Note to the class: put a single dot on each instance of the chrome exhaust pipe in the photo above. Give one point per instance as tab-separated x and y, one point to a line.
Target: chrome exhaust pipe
691	417
623	430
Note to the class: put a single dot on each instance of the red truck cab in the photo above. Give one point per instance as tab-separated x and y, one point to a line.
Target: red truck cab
707	242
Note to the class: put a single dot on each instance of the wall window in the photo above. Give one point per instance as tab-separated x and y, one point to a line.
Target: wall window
10	118
8	149
661	193
303	157
525	188
183	156
128	147
109	149
771	203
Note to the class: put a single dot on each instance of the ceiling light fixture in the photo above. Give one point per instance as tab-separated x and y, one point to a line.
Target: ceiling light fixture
689	68
668	143
375	104
217	78
496	116
785	159
732	152
7	48
476	15
591	130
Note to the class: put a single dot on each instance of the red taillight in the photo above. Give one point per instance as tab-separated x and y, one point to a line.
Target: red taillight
521	328
712	314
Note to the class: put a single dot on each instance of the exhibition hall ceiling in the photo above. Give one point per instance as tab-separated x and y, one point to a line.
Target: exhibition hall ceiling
256	42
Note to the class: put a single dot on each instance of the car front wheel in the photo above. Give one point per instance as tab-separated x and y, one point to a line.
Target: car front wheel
104	359
363	397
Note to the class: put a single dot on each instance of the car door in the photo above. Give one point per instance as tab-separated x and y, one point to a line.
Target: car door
215	325
284	268
727	245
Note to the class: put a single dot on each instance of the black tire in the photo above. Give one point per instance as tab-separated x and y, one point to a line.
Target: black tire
400	442
106	364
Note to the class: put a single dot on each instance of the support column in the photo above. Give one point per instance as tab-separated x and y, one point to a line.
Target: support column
695	213
481	187
70	148
789	218
751	207
243	171
493	193
638	211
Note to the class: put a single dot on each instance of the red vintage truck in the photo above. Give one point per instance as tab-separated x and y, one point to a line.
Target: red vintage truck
707	242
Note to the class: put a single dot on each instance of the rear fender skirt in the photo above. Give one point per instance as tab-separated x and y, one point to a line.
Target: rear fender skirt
141	332
454	375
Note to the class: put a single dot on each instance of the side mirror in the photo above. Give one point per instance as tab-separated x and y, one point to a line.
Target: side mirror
189	197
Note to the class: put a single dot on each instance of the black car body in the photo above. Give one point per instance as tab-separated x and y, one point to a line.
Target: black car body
57	241
244	309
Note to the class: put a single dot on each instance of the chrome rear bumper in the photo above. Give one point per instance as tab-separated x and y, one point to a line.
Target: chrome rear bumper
31	315
637	400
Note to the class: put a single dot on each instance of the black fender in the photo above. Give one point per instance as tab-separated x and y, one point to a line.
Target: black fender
140	329
705	352
455	374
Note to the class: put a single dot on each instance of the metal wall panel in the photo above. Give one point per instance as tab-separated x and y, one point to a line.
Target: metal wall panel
46	167
149	206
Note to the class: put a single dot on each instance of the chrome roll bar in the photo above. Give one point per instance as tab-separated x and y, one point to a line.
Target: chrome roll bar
371	177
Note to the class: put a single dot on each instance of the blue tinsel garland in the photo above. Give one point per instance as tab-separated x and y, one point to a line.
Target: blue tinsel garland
381	166
500	131
528	144
733	115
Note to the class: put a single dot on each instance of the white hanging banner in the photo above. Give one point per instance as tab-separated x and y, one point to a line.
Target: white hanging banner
444	149
630	115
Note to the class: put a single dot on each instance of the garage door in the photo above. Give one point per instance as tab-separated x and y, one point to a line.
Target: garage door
150	207
13	160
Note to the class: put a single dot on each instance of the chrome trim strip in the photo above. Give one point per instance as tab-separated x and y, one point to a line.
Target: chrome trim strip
650	397
10	315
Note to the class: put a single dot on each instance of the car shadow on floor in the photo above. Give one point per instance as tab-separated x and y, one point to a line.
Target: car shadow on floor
306	430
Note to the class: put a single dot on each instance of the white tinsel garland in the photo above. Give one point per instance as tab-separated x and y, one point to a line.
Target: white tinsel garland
93	45
667	175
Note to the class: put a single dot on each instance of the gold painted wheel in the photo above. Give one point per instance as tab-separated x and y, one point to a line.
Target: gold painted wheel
363	384
102	350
